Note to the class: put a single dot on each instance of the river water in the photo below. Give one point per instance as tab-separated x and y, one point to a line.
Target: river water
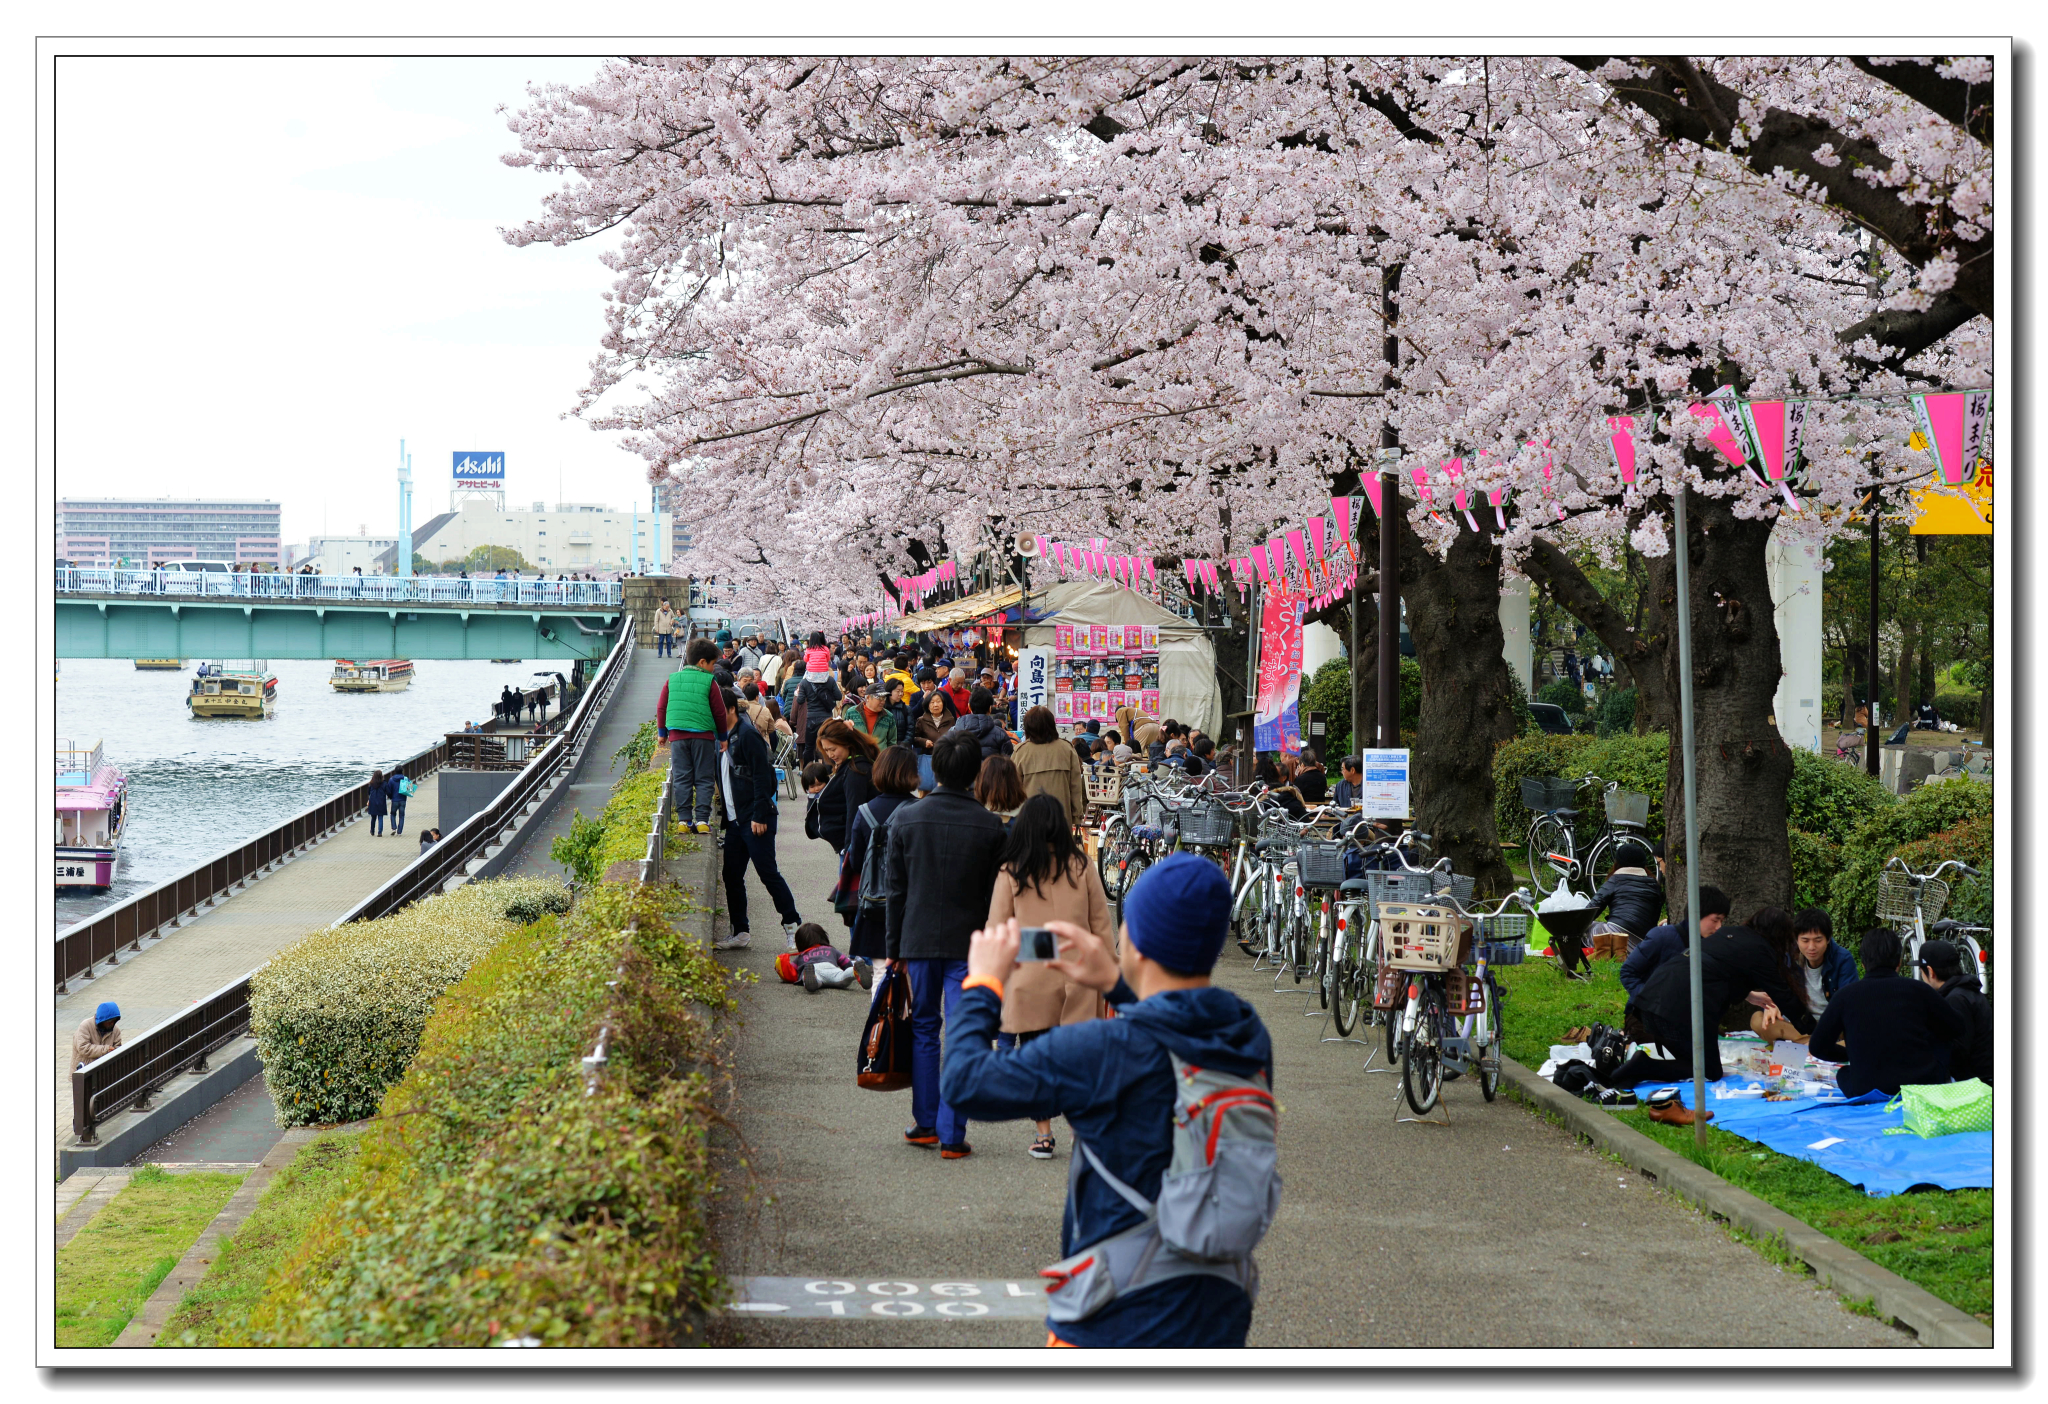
199	785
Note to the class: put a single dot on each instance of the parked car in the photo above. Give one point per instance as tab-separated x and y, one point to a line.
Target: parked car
1550	718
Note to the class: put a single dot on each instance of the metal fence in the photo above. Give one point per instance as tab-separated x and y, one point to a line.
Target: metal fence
345	589
98	940
127	1076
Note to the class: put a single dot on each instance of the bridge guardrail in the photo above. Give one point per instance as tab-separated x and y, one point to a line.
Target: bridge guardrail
342	589
83	948
127	1076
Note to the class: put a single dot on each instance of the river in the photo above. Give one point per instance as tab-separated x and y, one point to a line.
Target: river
198	785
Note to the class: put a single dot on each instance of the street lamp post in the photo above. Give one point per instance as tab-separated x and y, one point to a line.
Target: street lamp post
1692	824
1390	501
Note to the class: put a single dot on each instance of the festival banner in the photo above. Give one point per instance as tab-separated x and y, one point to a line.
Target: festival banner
1954	425
1035	678
1621	432
1276	725
1773	428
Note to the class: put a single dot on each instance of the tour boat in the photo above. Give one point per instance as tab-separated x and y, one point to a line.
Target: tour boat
237	688
371	675
161	665
92	800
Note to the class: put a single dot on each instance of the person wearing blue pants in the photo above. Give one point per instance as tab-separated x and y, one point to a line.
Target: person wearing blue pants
944	851
401	791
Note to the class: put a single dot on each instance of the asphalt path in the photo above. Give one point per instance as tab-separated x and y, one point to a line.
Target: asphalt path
1496	1230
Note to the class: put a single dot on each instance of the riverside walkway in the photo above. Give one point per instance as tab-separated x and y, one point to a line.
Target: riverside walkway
229	939
1497	1230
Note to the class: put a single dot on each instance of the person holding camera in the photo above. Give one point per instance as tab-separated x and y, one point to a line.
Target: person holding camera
1116	1082
1046	877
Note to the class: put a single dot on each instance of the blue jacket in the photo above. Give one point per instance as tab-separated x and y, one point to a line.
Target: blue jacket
380	796
1837	970
1113	1081
1664	943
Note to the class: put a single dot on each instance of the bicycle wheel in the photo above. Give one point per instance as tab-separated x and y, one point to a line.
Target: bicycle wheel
1488	1055
1115	835
1353	986
1547	835
1392	1036
1618	850
1422	1063
1248	915
1325	969
1134	866
1297	939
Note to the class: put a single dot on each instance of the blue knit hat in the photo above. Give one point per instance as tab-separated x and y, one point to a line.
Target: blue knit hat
1178	913
107	1010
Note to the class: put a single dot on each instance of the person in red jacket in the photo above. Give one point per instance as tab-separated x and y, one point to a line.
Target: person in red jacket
956	688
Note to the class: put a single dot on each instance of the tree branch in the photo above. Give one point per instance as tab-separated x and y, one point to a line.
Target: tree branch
1949	98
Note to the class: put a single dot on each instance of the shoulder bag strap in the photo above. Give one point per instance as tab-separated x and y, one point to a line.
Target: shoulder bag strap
1132	1197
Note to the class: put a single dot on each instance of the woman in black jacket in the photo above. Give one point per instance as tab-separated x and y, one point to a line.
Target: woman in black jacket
851	753
895	780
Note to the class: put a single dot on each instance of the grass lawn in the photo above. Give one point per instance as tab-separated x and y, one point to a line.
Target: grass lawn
109	1269
234	1282
1938	1239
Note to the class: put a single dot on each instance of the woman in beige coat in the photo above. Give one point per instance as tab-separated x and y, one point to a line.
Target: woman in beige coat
1050	766
1046	877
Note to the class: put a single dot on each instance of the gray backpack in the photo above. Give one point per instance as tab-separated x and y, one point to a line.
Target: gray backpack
874	866
1216	1200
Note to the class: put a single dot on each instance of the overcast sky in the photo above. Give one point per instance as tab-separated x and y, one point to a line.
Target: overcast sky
269	271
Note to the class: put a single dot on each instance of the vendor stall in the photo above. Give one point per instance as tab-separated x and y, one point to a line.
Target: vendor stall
1185	666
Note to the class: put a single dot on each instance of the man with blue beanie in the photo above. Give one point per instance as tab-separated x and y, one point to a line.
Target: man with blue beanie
1113	1080
97	1036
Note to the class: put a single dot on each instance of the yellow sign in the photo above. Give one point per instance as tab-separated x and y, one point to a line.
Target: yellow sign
1957	511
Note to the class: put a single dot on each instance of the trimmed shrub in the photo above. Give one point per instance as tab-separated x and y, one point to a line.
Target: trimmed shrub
1964	708
619	833
338	1015
1815	861
496	1198
638	752
1934	807
1831	800
1518	703
1616	714
1564	693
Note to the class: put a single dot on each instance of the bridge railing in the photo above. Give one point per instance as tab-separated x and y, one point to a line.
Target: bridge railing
347	589
97	940
127	1076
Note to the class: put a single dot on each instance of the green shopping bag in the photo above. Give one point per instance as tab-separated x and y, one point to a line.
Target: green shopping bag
1943	1108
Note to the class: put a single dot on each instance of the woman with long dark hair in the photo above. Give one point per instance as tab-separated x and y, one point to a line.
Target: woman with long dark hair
934	717
1046	876
866	913
379	800
851	754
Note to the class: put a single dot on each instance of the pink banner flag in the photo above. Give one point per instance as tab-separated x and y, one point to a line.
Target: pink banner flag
1209	574
1259	562
1188	566
1317	528
1276	560
1497	498
1422	487
1460	498
1342	507
1621	432
1719	434
1300	548
1953	426
1372	485
1774	427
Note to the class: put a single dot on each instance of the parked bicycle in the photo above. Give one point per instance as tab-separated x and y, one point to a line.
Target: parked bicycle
1912	904
1449	1022
1623	840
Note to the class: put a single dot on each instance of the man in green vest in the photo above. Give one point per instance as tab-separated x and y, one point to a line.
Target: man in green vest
688	719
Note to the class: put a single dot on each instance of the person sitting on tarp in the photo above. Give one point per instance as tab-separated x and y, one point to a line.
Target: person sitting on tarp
1632	899
1667	943
1941	966
1891	1032
1737	966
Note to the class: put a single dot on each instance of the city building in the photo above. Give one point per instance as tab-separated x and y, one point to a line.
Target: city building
138	530
570	536
668	495
340	555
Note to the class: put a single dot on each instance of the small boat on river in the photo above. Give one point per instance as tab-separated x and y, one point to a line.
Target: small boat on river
234	688
160	665
371	675
92	810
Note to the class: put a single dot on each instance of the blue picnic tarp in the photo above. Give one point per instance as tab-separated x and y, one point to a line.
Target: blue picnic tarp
1847	1137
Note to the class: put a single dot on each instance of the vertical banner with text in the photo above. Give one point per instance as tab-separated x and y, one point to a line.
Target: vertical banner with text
1276	726
1034	679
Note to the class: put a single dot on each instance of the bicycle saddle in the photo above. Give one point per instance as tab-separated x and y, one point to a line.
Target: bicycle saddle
1944	927
1562	813
1354	885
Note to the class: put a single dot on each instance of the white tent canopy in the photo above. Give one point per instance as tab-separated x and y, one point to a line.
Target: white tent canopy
1187	658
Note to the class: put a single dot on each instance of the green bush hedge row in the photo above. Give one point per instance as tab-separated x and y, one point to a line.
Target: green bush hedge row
495	1199
1933	808
338	1015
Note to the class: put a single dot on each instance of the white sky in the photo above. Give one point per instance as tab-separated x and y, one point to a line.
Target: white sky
306	272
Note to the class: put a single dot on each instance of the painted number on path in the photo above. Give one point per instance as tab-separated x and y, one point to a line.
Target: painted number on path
889	1298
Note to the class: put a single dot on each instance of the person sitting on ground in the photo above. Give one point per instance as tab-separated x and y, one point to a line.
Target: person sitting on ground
1113	1080
97	1036
1821	969
1000	788
1664	944
987	732
942	858
1352	782
1311	781
1633	899
1046	877
1941	966
428	838
1794	1022
1888	1032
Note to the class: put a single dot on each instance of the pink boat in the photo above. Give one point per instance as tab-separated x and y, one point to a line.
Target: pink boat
92	807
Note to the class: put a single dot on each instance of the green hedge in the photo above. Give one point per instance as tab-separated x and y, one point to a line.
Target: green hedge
338	1015
1934	807
1562	692
1815	862
496	1200
1970	841
1636	761
1831	800
1327	691
1964	708
620	831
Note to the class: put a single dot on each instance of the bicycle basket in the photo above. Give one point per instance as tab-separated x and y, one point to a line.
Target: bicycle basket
1895	898
1416	936
1504	952
1207	822
1508	928
1933	897
1105	784
1453	885
1626	808
1543	795
1134	805
1383	888
1320	864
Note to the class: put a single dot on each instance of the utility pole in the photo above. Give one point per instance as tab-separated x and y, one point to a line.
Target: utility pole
1390	502
1870	732
1697	976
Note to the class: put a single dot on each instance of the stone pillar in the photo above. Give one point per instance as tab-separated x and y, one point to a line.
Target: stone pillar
1795	594
644	593
1514	630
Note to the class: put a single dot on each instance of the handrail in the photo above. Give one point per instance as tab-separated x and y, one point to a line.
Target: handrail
127	1076
82	948
345	589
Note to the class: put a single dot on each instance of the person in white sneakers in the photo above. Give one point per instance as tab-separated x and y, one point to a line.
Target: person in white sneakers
746	793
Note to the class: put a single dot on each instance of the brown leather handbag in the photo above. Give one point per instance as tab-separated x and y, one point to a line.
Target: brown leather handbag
885	1042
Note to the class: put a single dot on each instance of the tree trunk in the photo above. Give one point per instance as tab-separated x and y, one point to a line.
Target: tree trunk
1639	649
1454	618
1743	765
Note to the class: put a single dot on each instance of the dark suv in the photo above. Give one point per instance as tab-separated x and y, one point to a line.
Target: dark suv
1550	718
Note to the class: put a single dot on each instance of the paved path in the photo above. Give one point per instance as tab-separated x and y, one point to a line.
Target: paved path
1498	1230
176	971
